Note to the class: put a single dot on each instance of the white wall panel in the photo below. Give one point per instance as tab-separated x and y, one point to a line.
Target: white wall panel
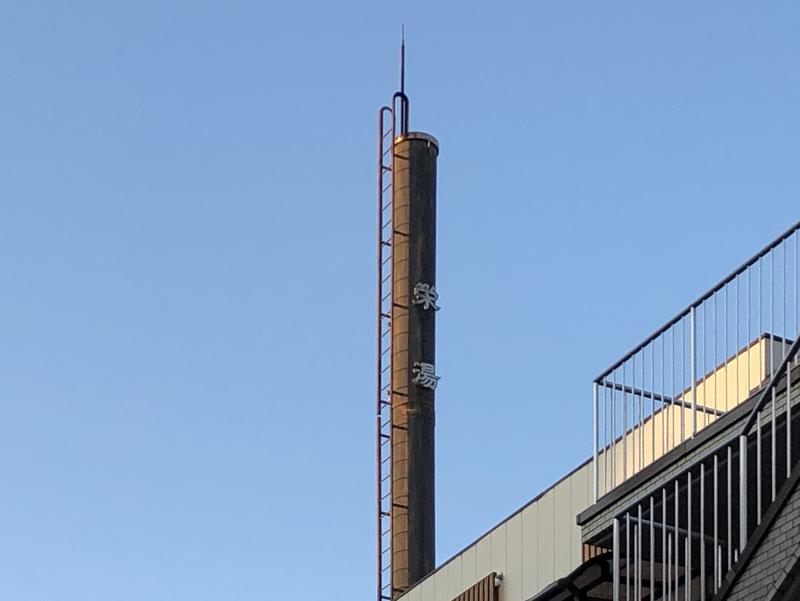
531	549
562	539
581	486
469	572
443	582
512	576
428	589
483	565
415	594
455	580
546	547
498	549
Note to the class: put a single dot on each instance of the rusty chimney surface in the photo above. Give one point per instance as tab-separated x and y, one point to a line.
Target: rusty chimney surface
414	376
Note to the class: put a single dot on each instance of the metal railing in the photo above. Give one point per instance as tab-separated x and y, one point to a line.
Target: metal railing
678	541
702	363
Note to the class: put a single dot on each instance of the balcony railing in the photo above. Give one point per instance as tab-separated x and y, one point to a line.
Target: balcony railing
708	359
682	539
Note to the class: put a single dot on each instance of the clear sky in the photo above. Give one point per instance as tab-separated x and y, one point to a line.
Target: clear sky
187	224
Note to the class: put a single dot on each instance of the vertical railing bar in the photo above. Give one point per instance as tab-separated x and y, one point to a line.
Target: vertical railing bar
634	446
687	572
688	567
737	345
651	587
641	418
773	446
742	492
627	556
748	340
702	531
683	376
664	410
637	544
693	367
624	429
725	353
653	401
613	432
664	533
677	536
672	383
762	367
641	554
609	440
783	303
595	467
635	433
788	421
759	476
615	569
773	442
706	416
636	563
730	506
668	583
717	563
716	377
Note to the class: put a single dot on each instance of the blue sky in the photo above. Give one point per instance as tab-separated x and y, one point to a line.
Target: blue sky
187	263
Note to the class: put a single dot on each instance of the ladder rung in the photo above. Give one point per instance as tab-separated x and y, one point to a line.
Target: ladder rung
385	436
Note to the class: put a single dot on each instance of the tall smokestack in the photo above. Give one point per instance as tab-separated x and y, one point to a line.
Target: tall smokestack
414	376
406	349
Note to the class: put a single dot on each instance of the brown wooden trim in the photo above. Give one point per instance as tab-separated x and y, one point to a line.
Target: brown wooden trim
483	590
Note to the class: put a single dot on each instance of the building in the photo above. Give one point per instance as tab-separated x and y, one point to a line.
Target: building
691	491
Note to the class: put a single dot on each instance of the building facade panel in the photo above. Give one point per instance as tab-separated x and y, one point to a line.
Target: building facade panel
529	550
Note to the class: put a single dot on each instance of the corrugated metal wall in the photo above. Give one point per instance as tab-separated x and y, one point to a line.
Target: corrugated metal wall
531	549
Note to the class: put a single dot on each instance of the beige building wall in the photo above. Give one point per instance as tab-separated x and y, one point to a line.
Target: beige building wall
725	388
531	549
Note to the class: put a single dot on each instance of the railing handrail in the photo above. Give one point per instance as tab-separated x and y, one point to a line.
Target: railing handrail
766	394
711	292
